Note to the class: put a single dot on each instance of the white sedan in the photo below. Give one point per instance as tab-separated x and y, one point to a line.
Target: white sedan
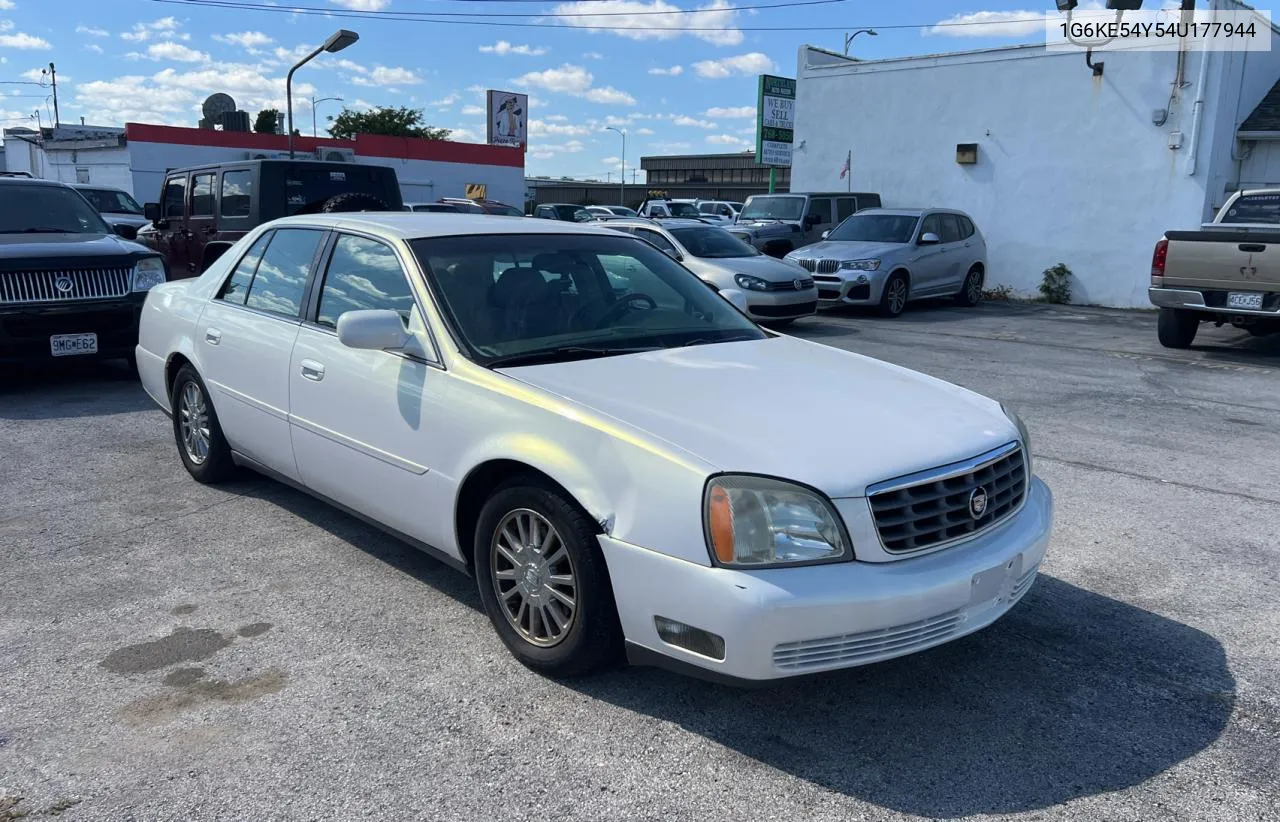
622	459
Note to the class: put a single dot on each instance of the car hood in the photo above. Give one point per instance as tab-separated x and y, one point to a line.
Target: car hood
756	225
785	407
125	218
763	266
846	250
84	247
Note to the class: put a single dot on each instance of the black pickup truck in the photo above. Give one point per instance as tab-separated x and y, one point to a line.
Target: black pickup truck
70	285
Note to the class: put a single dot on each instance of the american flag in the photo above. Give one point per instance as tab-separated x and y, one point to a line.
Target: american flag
847	160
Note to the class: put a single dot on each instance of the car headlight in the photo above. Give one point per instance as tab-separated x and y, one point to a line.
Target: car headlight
750	283
1022	432
860	265
758	522
148	273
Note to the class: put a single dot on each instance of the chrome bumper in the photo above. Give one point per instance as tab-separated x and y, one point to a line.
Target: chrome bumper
1192	300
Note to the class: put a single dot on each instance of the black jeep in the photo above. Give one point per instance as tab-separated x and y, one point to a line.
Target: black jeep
203	210
69	285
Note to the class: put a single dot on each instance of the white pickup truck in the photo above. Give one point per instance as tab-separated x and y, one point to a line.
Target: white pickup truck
1228	272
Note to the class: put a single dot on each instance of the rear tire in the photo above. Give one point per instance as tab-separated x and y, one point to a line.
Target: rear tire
202	447
521	569
894	295
971	291
1177	328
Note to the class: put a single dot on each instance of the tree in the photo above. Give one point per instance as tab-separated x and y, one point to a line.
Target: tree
267	121
388	121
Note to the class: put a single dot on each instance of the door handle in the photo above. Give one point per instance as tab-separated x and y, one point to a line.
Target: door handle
312	370
210	229
212	336
1252	248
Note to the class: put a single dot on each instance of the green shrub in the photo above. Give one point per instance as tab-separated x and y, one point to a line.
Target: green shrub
998	293
1056	285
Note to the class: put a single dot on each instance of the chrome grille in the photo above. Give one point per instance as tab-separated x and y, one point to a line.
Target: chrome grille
934	507
867	646
820	266
22	287
790	285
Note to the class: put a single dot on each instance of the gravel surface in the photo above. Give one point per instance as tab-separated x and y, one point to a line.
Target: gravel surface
170	651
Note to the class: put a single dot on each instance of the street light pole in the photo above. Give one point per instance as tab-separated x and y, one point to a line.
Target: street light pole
848	38
314	101
337	41
622	178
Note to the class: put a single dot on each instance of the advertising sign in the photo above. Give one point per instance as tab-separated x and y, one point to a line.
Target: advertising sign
477	191
508	118
775	120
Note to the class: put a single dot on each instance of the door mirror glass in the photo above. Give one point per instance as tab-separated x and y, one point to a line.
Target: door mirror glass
929	238
126	231
375	329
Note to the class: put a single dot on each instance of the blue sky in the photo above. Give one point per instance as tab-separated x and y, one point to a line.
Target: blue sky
673	91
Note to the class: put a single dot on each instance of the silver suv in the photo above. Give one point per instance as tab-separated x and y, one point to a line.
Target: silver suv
780	223
886	257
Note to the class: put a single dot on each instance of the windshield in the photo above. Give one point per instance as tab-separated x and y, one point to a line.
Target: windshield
574	295
683	210
1254	208
876	228
504	210
37	209
773	208
109	201
713	243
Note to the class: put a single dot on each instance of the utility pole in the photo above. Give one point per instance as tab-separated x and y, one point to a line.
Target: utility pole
53	78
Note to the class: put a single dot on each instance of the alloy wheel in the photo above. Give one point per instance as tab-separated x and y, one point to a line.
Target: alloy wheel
533	577
193	421
897	294
973	287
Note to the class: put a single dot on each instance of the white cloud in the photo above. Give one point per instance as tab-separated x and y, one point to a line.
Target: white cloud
21	40
644	132
731	113
726	140
665	146
503	48
751	63
685	120
472	111
465	135
36	75
362	5
169	50
384	76
990	24
543	151
555	118
7	5
166	28
89	30
673	71
542	128
250	40
577	82
593	55
94	47
446	101
635	19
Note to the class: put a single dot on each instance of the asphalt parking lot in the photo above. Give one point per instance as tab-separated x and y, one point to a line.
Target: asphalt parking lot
175	652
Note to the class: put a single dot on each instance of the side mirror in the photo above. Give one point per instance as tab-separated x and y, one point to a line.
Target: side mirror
737	297
711	285
372	330
151	211
929	238
126	231
825	233
811	220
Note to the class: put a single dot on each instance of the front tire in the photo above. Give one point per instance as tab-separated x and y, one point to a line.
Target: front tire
544	583
203	449
971	292
894	295
1177	328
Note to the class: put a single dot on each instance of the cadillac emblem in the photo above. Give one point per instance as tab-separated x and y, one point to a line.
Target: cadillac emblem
978	502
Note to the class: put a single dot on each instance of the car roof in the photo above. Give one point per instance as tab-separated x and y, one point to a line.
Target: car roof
408	225
912	212
679	222
97	187
31	181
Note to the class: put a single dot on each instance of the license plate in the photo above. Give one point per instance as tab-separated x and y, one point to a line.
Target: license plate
69	345
1244	299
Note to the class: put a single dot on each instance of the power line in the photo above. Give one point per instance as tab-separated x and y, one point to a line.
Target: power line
416	15
437	18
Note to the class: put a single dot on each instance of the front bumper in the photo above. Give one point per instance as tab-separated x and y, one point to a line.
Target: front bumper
777	305
1211	301
792	621
25	329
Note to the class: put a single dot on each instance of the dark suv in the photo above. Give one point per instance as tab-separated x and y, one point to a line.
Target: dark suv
69	286
203	210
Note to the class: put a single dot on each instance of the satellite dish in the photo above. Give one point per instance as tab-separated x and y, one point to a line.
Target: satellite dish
218	104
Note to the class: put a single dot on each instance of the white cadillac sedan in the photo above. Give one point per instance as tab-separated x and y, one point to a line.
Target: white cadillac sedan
623	460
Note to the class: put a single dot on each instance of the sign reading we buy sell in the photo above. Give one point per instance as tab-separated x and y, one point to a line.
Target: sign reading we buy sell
775	120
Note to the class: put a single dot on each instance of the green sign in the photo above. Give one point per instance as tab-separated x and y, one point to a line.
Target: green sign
775	120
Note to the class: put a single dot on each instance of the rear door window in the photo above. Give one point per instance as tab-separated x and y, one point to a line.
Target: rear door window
950	228
282	274
237	189
844	207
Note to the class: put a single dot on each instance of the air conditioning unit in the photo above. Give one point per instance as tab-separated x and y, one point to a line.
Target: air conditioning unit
266	155
336	155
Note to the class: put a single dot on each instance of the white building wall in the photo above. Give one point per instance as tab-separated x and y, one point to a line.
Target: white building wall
1071	167
420	180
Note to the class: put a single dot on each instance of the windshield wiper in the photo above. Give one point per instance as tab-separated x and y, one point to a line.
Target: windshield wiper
744	337
564	354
